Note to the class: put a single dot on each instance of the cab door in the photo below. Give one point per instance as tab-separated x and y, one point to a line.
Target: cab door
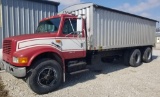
73	41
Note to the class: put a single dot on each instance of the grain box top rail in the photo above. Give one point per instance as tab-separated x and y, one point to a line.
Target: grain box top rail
79	6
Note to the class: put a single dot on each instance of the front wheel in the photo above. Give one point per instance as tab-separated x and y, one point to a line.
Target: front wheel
45	77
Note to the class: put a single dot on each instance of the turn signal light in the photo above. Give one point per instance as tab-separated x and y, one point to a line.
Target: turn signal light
58	41
23	60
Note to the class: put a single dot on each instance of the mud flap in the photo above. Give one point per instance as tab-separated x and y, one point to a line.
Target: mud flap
96	63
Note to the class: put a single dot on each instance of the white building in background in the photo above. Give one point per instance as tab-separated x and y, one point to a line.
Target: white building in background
158	37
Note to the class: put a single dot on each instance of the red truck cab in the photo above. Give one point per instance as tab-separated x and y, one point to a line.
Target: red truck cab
43	56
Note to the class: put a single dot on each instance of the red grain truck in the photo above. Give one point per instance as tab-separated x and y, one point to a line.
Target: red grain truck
69	43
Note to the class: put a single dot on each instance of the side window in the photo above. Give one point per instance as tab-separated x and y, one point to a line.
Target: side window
70	26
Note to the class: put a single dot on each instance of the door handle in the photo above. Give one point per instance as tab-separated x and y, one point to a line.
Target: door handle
81	45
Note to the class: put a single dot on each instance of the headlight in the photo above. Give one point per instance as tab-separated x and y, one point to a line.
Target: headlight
21	60
15	60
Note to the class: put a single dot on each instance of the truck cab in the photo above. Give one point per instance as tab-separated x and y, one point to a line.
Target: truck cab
45	56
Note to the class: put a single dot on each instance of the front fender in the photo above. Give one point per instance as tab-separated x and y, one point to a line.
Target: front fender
33	52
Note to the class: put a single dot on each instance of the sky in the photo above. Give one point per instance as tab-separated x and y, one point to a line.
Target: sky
146	8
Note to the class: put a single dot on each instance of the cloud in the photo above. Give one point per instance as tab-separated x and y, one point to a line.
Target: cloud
67	2
142	6
145	14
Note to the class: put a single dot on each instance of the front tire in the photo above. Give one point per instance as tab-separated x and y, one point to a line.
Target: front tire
45	77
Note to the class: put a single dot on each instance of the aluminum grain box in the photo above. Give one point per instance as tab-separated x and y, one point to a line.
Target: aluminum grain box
109	28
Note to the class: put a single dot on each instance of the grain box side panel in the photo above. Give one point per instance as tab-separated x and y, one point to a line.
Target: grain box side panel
116	30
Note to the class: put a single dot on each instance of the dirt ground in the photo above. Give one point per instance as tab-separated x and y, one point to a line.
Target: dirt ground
157	46
3	92
116	80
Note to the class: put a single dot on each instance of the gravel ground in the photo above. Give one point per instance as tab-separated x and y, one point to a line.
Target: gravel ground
157	46
116	80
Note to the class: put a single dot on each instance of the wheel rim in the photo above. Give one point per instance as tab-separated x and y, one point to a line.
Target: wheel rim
47	77
137	58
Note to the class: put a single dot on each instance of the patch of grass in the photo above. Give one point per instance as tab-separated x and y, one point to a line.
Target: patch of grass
3	92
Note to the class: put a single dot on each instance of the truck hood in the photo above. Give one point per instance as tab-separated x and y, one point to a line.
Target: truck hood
10	44
31	36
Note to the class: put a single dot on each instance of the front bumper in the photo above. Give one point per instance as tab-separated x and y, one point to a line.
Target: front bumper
15	71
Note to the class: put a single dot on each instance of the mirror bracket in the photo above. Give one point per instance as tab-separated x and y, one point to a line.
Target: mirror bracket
79	24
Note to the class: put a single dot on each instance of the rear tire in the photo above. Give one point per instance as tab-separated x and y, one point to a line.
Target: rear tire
45	77
135	58
147	55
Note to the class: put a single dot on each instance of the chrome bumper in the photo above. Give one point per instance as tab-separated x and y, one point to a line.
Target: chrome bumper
15	71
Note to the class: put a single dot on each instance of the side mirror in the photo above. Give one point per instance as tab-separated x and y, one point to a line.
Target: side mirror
79	24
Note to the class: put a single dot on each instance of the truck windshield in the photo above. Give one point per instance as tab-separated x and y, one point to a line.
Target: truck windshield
51	25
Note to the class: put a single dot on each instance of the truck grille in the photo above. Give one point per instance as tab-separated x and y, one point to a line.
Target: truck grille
7	46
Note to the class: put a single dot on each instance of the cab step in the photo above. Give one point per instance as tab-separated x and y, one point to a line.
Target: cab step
77	64
80	71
